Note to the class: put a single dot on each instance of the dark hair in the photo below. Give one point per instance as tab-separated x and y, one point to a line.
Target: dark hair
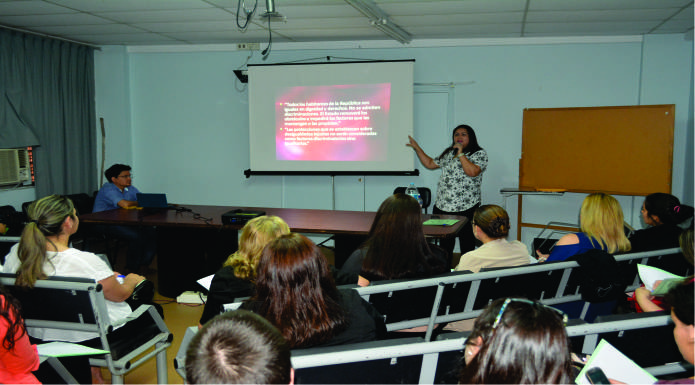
115	170
472	146
685	240
295	291
11	312
396	246
680	299
668	208
528	346
46	218
493	220
238	347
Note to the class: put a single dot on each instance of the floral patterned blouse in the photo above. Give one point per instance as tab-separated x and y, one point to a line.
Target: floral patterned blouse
456	191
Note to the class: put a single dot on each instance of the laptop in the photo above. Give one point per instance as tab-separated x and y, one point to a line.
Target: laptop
152	201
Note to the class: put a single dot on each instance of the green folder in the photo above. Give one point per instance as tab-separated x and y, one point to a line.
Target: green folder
440	222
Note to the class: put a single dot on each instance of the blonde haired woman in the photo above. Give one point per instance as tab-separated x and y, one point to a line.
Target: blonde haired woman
491	227
601	222
238	274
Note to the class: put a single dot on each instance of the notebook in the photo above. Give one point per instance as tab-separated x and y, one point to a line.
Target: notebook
152	201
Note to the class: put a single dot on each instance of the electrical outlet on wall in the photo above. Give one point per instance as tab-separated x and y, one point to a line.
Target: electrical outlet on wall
248	46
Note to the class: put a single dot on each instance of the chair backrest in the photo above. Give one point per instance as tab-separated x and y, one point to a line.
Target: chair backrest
425	194
83	202
652	347
403	304
396	361
464	295
78	304
59	302
412	360
25	209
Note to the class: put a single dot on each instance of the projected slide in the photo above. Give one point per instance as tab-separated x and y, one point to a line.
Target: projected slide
333	123
331	118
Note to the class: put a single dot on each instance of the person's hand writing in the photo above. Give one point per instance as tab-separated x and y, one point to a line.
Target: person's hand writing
134	278
642	293
542	257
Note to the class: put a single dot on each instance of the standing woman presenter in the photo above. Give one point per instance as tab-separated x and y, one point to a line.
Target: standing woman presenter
458	190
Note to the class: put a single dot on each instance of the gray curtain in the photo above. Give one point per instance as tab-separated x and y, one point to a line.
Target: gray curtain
47	100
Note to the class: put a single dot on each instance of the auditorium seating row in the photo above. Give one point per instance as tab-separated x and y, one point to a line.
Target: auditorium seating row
463	295
646	338
78	304
413	360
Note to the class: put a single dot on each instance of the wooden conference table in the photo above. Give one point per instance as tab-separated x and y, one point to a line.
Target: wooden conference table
192	241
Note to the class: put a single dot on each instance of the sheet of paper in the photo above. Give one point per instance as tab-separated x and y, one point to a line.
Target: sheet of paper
206	282
615	365
649	275
66	349
440	222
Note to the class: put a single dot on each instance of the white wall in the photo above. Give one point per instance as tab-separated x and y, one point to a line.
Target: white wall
181	118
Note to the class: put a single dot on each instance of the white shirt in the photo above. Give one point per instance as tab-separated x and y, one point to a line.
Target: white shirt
71	263
496	253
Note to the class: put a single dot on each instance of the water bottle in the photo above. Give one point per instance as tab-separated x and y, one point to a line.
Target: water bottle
414	192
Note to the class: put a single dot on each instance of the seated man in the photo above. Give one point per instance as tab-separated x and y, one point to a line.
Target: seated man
239	347
119	193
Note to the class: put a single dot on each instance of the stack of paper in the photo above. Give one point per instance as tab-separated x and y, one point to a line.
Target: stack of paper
651	275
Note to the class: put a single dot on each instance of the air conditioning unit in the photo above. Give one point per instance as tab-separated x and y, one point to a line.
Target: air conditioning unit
14	166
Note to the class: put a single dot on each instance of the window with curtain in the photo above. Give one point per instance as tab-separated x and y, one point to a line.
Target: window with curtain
47	103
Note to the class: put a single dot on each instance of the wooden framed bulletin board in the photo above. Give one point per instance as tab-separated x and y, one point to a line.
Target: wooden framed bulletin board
623	150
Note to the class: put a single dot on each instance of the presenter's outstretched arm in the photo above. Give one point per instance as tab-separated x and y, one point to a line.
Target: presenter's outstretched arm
424	158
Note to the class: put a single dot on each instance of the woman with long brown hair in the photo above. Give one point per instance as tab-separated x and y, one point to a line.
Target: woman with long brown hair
396	246
295	292
517	341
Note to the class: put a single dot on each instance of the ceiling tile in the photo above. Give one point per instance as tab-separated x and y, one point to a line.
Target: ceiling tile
131	5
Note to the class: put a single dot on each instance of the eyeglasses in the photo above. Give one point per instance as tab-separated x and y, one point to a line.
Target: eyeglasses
510	300
125	176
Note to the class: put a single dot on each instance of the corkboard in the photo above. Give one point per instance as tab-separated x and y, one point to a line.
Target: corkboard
623	150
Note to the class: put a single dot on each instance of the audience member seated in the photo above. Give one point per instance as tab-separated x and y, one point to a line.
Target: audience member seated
43	251
396	247
491	227
235	278
295	291
517	341
645	300
18	357
662	213
601	224
119	192
680	300
239	347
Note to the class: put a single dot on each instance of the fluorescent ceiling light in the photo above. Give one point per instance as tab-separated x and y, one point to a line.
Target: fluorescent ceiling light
380	20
